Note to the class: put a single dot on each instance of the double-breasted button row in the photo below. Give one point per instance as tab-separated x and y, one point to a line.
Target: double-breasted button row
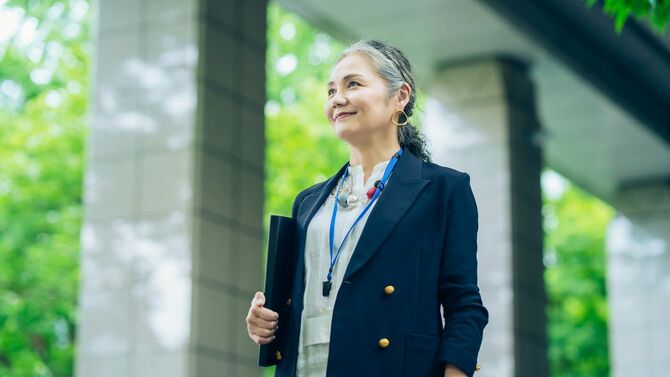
384	342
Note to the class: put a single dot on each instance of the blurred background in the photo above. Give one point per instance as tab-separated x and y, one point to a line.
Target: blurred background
144	144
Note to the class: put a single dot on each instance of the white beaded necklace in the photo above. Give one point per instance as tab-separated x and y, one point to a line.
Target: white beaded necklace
347	199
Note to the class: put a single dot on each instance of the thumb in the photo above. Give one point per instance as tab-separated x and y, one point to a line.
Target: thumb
260	298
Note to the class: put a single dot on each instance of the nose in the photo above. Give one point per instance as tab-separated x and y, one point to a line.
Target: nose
338	100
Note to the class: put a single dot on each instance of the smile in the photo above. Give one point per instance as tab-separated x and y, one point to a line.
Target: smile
344	115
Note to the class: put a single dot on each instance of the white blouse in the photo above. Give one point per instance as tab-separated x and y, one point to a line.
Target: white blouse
318	310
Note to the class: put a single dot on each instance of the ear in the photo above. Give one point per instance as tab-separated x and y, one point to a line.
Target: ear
403	95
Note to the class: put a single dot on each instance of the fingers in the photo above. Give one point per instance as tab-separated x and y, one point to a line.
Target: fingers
261	335
262	323
262	317
257	310
260	340
262	332
264	313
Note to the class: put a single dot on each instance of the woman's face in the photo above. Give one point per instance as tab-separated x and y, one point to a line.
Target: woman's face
358	106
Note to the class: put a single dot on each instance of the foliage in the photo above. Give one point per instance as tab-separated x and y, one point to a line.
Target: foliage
43	96
656	11
575	225
301	147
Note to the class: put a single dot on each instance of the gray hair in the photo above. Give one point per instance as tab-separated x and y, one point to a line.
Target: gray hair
394	68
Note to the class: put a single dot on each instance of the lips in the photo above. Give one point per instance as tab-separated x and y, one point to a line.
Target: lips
343	115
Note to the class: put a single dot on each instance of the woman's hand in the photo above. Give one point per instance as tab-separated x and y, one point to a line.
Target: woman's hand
261	322
453	371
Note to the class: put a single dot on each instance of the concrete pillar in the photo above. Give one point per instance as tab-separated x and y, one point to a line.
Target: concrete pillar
482	119
172	239
638	281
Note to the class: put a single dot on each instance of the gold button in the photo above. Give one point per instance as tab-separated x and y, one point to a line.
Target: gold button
478	367
278	355
383	342
288	302
389	289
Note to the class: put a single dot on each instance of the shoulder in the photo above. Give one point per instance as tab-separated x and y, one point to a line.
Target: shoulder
450	185
443	174
309	190
302	194
456	191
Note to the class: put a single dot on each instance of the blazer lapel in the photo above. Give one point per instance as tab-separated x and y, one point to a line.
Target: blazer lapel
400	192
311	204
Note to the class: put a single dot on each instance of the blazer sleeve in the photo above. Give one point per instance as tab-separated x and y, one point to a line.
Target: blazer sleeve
464	314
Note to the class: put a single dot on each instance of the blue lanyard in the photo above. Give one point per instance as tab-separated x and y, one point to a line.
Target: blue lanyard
328	283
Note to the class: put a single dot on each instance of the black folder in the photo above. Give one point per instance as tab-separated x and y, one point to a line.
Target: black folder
279	274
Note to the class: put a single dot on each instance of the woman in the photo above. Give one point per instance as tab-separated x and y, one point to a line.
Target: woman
389	268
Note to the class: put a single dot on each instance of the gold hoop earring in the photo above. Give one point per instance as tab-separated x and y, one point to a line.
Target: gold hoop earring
399	124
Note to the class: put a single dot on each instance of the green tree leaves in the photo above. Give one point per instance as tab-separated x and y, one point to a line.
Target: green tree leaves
43	101
577	312
657	12
301	147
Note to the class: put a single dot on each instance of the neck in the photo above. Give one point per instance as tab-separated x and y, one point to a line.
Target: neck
371	154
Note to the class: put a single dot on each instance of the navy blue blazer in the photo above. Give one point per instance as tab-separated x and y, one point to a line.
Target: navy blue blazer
420	239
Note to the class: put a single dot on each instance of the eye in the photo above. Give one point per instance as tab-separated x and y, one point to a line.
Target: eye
353	82
330	91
